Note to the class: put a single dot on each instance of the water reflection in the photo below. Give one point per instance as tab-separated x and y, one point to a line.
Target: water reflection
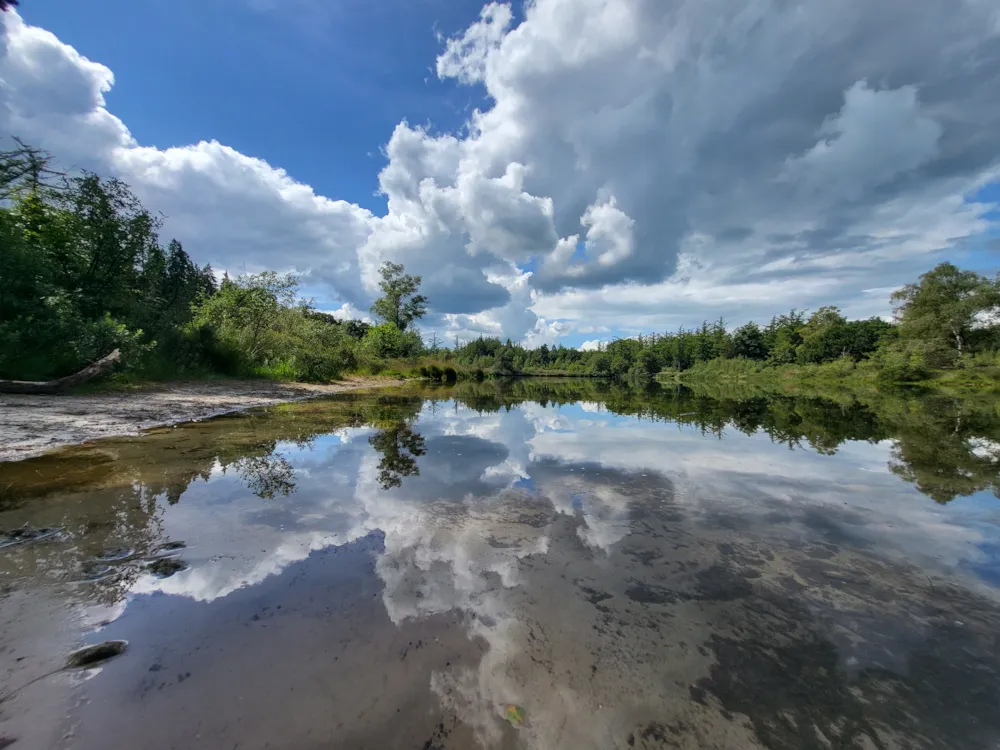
399	446
632	569
948	446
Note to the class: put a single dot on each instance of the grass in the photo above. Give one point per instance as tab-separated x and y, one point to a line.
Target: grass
844	374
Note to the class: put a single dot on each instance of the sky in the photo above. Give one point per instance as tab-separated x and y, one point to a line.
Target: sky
557	171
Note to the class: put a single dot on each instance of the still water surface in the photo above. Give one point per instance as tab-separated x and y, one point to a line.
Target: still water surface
533	565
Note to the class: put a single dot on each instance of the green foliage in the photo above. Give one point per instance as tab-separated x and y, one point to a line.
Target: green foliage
247	312
910	361
739	367
945	304
388	341
829	335
82	272
504	363
400	303
748	342
76	260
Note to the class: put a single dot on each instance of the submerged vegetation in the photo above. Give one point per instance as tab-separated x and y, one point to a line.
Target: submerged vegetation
82	272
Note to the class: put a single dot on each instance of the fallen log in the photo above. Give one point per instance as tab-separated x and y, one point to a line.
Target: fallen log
61	385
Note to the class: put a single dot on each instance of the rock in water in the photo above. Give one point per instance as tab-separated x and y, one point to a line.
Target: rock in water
166	567
91	656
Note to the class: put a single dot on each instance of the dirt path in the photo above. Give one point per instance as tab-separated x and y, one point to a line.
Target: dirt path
31	425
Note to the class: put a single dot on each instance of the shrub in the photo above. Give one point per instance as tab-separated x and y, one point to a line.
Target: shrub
282	369
386	341
192	350
318	366
900	363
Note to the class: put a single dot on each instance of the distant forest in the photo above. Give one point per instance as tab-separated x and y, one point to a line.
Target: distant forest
946	320
83	272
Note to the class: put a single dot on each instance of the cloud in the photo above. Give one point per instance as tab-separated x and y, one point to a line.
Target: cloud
594	345
876	136
637	164
465	57
347	311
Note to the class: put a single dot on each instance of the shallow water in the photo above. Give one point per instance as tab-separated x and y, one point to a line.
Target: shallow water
535	565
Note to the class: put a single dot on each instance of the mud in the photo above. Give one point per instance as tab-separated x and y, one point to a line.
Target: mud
32	425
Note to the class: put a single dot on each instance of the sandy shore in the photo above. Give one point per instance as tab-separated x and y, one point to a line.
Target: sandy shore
31	425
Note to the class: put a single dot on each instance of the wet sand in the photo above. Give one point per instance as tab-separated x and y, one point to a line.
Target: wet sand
31	425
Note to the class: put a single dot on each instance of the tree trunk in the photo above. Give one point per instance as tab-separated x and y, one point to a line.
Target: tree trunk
62	384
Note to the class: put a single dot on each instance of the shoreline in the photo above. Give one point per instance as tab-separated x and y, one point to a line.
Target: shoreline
31	425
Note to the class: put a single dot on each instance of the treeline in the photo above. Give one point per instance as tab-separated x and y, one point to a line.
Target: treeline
83	272
824	336
946	320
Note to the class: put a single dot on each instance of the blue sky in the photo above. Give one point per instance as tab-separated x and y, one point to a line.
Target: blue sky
565	172
250	75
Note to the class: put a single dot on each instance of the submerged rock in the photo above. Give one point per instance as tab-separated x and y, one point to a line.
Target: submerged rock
96	572
170	546
166	566
26	534
116	554
91	656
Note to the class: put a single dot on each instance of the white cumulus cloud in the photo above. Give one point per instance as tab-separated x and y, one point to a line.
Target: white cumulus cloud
637	164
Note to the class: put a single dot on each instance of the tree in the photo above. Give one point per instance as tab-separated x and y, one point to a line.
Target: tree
25	169
113	234
246	310
388	341
504	363
647	363
748	342
400	303
945	303
399	447
823	337
600	365
356	329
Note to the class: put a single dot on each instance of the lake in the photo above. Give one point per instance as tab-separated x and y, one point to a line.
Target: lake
536	564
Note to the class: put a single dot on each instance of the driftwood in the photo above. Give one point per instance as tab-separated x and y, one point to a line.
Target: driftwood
62	384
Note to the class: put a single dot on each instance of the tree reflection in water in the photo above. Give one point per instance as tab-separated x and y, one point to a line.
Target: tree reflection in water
268	476
945	445
399	445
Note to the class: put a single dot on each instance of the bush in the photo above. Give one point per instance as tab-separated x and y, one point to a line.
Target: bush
738	367
450	374
900	363
193	350
57	340
980	359
386	341
318	366
842	366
